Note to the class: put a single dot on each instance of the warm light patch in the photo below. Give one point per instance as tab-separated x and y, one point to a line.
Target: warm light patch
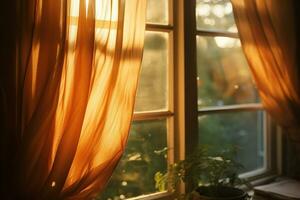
228	8
53	184
74	8
35	58
225	42
107	10
86	6
106	13
219	11
203	10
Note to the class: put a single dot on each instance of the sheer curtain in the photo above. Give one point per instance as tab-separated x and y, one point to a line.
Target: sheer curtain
268	34
78	63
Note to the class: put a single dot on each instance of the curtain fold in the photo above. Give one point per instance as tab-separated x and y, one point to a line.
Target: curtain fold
268	32
78	64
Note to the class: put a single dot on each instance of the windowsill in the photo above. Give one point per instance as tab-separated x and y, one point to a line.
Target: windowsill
159	195
263	179
281	188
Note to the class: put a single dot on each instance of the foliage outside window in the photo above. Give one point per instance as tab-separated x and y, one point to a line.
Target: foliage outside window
229	111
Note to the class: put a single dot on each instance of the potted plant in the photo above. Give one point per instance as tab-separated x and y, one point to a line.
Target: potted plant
209	175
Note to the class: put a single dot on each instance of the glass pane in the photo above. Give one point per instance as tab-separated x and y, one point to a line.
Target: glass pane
157	11
241	129
223	76
152	90
145	154
215	15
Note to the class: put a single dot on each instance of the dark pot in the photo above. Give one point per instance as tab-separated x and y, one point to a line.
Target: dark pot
220	193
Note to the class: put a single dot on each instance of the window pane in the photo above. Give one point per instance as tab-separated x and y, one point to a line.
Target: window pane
215	15
223	76
242	129
152	91
145	154
157	11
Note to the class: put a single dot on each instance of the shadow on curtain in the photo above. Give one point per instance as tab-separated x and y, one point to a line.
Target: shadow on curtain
268	32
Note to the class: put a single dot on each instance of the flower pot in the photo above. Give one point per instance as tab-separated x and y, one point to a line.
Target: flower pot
220	193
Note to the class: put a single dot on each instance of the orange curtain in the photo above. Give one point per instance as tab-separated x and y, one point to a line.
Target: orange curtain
268	34
78	63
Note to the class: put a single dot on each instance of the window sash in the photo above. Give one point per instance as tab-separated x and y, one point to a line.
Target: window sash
226	108
169	112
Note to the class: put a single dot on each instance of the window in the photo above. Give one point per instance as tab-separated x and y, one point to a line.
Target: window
195	88
228	108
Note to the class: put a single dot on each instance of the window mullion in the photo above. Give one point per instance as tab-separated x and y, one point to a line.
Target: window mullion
159	27
190	63
151	115
214	33
231	108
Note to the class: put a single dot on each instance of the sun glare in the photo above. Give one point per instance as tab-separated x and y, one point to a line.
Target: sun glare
104	10
86	6
74	8
224	42
203	10
219	11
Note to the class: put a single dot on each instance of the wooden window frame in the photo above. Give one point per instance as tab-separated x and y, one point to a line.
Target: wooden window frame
182	110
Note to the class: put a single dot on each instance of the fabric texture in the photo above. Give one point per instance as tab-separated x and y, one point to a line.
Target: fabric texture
78	63
268	32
